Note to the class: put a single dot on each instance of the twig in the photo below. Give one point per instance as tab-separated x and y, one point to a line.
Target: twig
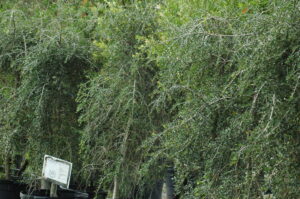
271	114
25	46
40	100
256	96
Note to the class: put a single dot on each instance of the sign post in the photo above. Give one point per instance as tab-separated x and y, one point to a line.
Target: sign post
56	171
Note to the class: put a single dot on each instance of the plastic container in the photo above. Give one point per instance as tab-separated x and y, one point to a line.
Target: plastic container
98	195
45	194
37	194
72	194
10	189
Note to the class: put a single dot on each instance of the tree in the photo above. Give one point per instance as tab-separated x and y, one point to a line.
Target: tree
231	79
47	53
115	102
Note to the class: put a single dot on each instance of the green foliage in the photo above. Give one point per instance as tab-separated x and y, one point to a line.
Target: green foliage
15	37
233	86
208	87
46	56
114	104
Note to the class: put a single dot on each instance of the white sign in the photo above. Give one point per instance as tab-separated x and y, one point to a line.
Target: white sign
57	171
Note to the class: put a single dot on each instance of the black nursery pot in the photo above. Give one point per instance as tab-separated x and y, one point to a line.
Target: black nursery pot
98	195
10	189
37	194
72	194
62	194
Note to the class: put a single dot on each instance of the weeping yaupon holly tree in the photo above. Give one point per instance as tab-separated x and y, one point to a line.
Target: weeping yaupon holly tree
15	38
223	77
210	88
230	71
115	102
45	51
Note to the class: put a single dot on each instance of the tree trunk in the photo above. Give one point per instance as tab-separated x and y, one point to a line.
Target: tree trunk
7	165
116	188
45	184
170	183
23	166
53	190
157	191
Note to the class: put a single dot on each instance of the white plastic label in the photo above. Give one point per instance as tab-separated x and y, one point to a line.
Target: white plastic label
57	171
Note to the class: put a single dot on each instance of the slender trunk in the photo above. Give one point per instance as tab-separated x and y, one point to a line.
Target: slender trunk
45	184
7	165
53	190
156	193
170	183
23	167
116	188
